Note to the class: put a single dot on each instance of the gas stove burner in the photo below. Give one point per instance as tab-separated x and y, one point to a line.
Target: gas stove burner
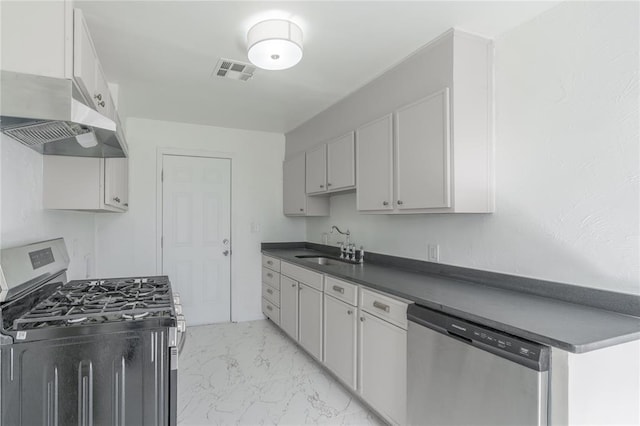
100	301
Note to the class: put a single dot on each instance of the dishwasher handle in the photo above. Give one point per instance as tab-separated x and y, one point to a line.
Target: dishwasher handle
524	352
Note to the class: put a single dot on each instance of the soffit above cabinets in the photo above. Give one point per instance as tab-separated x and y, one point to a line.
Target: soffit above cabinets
162	53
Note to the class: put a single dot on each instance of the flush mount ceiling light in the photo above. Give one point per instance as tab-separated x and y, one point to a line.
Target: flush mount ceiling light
275	44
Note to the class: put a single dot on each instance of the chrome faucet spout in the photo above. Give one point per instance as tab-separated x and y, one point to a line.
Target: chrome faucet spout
338	229
348	234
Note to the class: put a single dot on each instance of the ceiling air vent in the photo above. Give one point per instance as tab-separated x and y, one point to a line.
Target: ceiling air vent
235	70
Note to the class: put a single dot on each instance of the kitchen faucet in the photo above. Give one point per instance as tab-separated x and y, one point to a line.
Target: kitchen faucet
348	250
348	234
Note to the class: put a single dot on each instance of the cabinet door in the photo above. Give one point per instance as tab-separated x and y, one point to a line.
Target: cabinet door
341	163
84	56
316	170
374	165
383	367
289	306
340	325
294	196
116	182
422	153
310	320
102	96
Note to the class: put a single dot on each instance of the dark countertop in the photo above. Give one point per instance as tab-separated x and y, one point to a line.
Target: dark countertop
572	327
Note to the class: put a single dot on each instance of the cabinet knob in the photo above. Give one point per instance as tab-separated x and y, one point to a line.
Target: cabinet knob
294	285
116	199
321	186
361	319
385	203
328	184
98	96
399	202
126	204
301	210
349	312
101	103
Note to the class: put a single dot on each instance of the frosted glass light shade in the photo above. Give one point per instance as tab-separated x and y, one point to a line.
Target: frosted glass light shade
275	44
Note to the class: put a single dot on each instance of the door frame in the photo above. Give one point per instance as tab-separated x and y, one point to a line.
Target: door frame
181	152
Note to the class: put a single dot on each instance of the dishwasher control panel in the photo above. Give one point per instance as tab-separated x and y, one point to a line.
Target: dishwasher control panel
518	347
514	348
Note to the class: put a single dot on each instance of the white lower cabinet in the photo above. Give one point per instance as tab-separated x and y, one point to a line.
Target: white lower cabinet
358	334
340	339
310	320
382	373
289	306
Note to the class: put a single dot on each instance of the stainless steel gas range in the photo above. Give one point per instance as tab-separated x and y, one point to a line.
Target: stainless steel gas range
85	352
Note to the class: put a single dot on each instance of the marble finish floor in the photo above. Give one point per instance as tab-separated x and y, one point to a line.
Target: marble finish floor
250	373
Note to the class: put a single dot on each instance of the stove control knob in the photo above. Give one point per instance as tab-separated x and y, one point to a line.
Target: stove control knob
178	309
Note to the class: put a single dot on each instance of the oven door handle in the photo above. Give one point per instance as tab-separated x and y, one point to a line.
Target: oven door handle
181	342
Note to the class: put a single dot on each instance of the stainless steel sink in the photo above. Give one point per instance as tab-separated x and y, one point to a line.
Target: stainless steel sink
324	260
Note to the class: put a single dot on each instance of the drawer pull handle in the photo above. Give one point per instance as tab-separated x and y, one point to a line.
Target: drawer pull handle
269	291
269	262
338	289
270	275
269	308
381	306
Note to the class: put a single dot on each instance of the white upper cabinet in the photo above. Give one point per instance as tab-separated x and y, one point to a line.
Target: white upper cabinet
331	166
84	57
57	43
341	163
441	145
295	200
87	70
85	184
374	165
422	154
317	170
116	182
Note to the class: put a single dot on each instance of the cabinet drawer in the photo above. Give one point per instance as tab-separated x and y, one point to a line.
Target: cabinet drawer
271	294
271	277
385	307
310	278
345	291
271	263
271	311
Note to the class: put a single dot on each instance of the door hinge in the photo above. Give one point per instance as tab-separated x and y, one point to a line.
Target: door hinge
162	241
162	175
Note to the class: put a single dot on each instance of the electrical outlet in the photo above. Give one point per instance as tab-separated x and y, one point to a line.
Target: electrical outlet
433	253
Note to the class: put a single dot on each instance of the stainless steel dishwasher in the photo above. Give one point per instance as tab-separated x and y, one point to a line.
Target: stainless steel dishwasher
460	373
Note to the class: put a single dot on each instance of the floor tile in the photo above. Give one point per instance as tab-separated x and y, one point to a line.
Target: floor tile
252	374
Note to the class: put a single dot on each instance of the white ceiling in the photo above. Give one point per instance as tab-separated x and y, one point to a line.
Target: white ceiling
162	53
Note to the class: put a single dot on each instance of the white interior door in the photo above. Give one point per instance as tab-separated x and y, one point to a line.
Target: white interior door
196	235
